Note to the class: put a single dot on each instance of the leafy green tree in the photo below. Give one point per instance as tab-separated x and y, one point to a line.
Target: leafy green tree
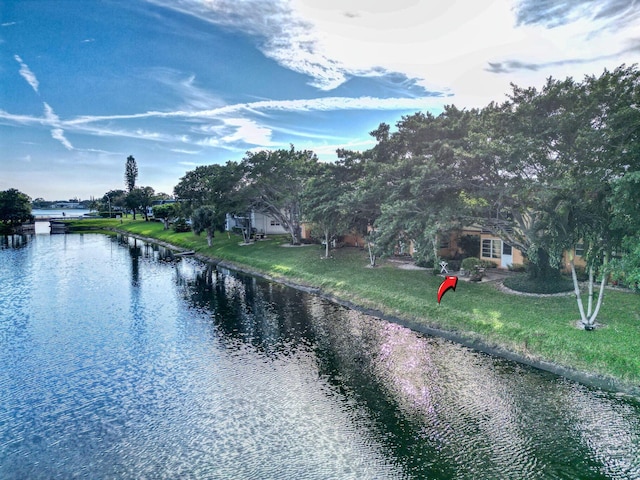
166	212
162	196
626	269
550	158
204	219
130	173
140	199
626	205
15	208
415	176
131	202
369	171
40	203
323	202
113	200
596	165
511	202
216	185
274	184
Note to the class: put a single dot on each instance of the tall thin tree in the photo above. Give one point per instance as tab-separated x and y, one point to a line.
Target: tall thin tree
130	173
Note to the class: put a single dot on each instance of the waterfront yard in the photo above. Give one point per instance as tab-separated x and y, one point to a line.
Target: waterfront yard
536	328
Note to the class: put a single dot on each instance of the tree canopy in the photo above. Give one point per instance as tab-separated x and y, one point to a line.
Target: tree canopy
15	208
165	212
215	185
204	220
544	170
274	182
140	199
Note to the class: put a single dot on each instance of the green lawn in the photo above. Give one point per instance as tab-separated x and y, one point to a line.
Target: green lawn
537	328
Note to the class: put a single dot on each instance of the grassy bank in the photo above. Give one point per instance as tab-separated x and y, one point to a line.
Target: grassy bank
532	327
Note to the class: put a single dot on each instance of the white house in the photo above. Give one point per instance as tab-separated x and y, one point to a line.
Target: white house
263	223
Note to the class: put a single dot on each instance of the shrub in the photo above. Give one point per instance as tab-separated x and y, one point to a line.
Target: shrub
181	225
522	283
476	275
488	264
517	267
470	263
424	263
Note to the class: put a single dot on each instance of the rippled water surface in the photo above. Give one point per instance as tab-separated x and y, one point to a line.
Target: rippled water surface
118	360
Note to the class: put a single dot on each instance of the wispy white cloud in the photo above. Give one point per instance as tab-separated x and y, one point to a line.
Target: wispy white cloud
298	105
186	152
186	88
57	132
8	24
302	133
20	119
27	74
232	127
554	13
247	131
137	133
327	150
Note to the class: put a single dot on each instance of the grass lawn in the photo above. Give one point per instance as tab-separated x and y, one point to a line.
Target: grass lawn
533	327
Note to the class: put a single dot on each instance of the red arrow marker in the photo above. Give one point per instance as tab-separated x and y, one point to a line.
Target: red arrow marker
449	282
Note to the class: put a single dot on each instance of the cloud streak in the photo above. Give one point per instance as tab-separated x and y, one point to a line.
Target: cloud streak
232	127
510	66
57	132
298	105
613	14
27	74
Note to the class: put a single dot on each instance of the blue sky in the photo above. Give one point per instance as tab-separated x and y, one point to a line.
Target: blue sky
183	83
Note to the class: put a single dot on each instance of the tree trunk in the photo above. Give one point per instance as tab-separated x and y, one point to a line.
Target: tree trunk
209	237
588	319
326	241
372	255
295	235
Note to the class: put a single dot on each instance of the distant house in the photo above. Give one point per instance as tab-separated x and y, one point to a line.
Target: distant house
67	205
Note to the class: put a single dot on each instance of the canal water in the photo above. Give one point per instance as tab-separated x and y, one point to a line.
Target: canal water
119	360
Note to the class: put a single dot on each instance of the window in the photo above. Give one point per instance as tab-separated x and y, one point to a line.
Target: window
275	223
491	248
444	243
580	250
